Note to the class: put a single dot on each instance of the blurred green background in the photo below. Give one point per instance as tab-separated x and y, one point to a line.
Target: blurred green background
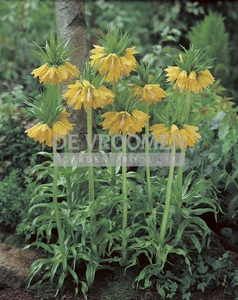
157	28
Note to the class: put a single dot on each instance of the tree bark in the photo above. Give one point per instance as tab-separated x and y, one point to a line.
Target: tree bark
71	25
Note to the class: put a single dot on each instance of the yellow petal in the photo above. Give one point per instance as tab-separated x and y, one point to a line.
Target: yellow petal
172	73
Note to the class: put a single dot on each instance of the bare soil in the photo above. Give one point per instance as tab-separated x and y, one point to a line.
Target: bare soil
107	286
22	294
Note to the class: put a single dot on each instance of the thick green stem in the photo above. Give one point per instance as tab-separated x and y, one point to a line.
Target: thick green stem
91	180
163	227
124	197
185	119
113	168
57	213
147	168
179	184
186	109
90	139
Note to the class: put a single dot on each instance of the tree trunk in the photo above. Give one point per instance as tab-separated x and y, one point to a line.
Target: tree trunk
71	25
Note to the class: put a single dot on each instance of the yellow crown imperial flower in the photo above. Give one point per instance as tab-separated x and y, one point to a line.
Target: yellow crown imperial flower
61	125
123	122
112	65
56	68
205	78
114	59
55	75
191	136
150	93
84	93
190	74
172	73
139	119
128	61
183	138
41	133
145	87
45	133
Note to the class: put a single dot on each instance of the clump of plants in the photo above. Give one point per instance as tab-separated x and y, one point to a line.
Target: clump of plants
102	214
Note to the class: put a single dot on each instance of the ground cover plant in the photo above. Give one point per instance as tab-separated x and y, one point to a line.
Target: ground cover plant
109	215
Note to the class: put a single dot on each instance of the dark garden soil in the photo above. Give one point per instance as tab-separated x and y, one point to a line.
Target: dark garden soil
107	286
101	294
103	291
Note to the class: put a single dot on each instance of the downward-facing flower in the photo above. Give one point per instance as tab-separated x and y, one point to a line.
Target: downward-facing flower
61	125
86	94
190	134
166	136
112	65
114	59
182	138
56	68
128	61
139	118
172	73
191	73
126	118
150	93
52	116
55	74
105	97
42	132
123	122
146	87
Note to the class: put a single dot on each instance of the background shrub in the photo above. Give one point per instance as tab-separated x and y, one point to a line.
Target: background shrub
14	198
